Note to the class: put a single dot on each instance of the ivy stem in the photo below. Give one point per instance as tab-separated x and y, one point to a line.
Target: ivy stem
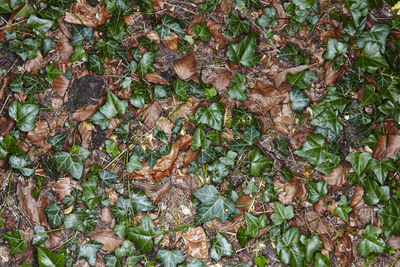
48	232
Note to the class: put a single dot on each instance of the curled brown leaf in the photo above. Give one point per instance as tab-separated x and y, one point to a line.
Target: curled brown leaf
185	67
109	240
196	242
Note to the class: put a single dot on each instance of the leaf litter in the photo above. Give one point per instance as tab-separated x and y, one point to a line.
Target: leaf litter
210	132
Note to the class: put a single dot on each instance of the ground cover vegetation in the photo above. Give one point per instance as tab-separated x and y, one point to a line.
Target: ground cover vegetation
199	133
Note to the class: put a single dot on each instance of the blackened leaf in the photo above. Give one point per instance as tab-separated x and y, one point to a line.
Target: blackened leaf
142	235
46	258
220	247
213	205
244	52
24	114
211	116
15	241
89	251
170	258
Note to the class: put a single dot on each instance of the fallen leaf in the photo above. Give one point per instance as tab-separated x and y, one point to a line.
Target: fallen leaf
85	132
152	114
84	113
394	241
281	14
328	243
196	242
338	176
158	4
344	252
171	42
60	85
220	79
33	209
63	187
318	223
109	240
281	77
155	77
46	128
197	19
298	138
185	67
216	32
267	96
387	147
331	76
84	13
320	206
225	6
6	124
32	66
282	116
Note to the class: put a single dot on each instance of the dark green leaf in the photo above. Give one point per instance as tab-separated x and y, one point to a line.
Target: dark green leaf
134	164
69	163
22	164
199	139
289	248
251	188
238	89
24	114
146	64
371	242
80	33
371	58
54	215
142	235
296	79
268	18
15	241
311	245
123	208
321	260
80	54
40	235
381	168
81	220
316	190
25	49
112	261
390	217
359	161
298	100
170	258
108	49
140	201
282	146
269	193
108	178
202	31
89	251
258	162
370	96
244	52
237	26
167	24
33	84
212	205
377	34
57	141
281	213
254	224
96	65
151	157
206	156
220	247
343	212
113	106
334	48
294	54
181	89
39	26
211	116
329	120
46	258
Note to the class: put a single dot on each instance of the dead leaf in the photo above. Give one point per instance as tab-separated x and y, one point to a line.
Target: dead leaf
171	42
85	132
281	14
196	242
109	240
84	13
394	241
267	96
220	79
158	4
282	116
318	223
225	6
63	187
281	77
84	113
328	243
216	32
344	250
152	114
186	182
387	147
33	209
106	215
338	176
331	76
153	36
185	67
298	138
320	206
46	128
32	66
6	125
155	77
60	85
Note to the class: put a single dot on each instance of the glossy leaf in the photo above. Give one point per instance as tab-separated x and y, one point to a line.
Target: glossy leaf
289	248
113	106
220	247
80	33
244	52
134	164
258	163
238	89
142	235
146	64
237	26
211	116
298	100
371	242
359	161
281	213
46	258
15	241
167	25
140	201
390	217
54	215
316	190
89	251
381	168
202	31
24	114
39	26
170	258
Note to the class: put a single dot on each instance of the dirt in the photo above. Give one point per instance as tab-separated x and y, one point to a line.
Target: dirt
7	58
84	91
98	138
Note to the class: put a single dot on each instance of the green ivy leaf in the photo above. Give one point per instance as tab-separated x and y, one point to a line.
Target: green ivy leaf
289	248
328	119
46	258
57	141
206	156
112	261
296	79
212	205
371	58
4	7
298	100
211	116
181	89
268	18
123	208
26	49
33	84
54	215
269	193
80	33
370	96
113	106
311	244
24	114
108	49
371	242
254	224
282	146
108	178
89	194
251	188
140	96
22	164
238	89
281	213
343	212
146	64
170	258
140	201
321	260
359	161
39	26
202	31
15	241
40	235
375	193
392	110
377	34
122	131
390	217
381	168
95	64
258	163
89	251
134	164
244	52
220	247
293	54
250	137
142	235
199	139
69	163
335	48
316	190
195	263
81	220
237	26
303	4
151	157
167	25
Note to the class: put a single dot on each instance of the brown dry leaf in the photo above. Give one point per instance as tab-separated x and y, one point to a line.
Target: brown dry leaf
152	114
281	14
171	42
158	4
155	77
32	66
186	182
165	125
185	67
46	128
267	96
225	6
196	242
83	114
63	187
132	19
109	240
331	76
33	209
60	85
394	241
220	79
6	125
338	176
344	250
215	30
85	131
282	116
63	48
281	77
84	13
153	36
318	223
320	206
328	243
387	147
298	138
